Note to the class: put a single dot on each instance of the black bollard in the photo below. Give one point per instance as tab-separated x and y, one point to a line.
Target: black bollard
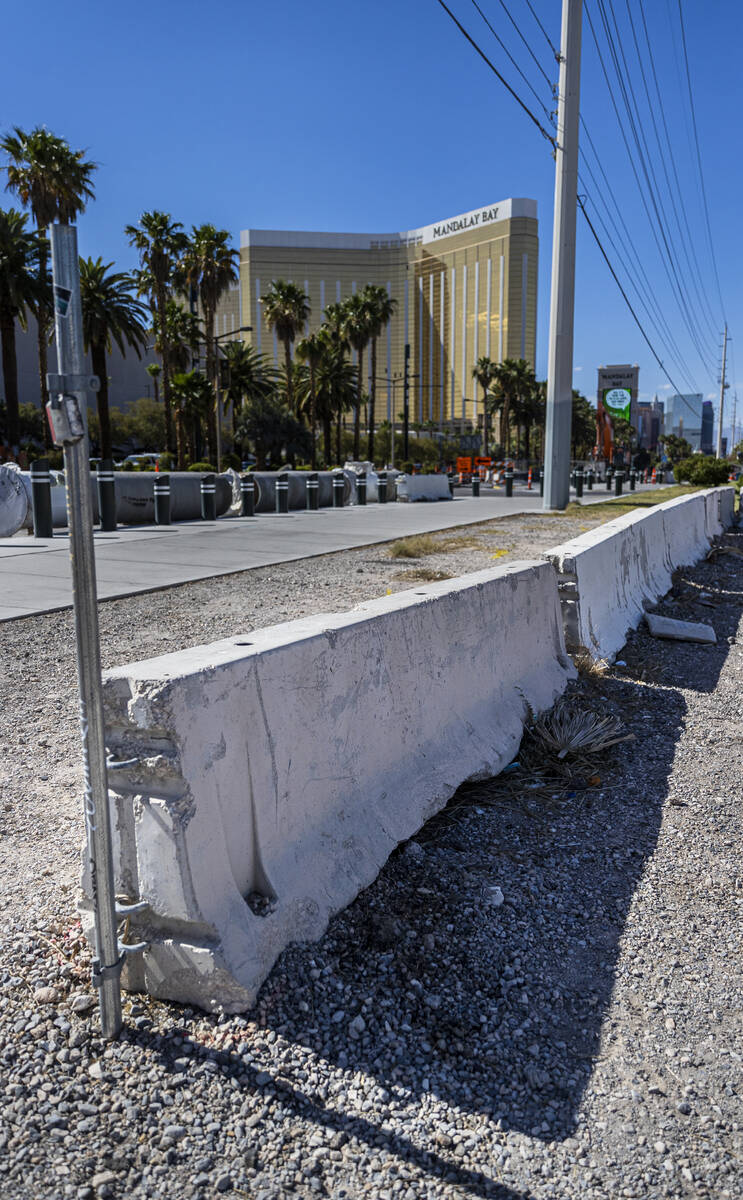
106	495
540	473
475	485
282	495
382	487
589	479
579	482
632	480
361	488
208	497
162	499
313	492
247	495
509	483
452	485
609	476
41	498
618	481
339	489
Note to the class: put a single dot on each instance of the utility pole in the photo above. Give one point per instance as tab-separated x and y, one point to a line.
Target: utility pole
722	392
406	405
562	302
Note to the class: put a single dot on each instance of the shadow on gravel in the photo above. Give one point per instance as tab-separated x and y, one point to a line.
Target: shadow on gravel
493	1008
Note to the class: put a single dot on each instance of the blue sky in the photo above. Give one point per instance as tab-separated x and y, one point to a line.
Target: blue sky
346	116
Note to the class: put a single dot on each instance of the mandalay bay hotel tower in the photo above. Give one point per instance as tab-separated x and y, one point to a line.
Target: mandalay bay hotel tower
465	287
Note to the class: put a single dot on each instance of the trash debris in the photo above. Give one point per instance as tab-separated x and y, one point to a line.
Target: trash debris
499	554
496	897
511	766
680	631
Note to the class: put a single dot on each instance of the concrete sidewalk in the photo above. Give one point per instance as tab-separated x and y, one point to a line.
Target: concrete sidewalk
35	573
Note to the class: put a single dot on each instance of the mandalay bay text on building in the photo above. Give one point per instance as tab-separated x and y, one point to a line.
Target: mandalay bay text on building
465	287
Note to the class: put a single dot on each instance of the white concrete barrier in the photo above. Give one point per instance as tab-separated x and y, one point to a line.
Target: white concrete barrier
607	575
422	487
277	771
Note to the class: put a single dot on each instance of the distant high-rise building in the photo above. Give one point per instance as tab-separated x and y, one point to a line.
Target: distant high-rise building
683	418
708	425
649	424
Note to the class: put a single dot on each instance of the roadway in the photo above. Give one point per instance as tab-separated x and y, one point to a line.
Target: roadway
35	572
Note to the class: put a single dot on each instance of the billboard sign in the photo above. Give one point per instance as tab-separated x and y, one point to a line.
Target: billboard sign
617	401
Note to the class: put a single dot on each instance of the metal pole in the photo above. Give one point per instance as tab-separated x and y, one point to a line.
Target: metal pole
722	393
562	303
71	387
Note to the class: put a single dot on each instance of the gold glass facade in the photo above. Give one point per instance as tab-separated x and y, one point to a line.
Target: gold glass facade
464	287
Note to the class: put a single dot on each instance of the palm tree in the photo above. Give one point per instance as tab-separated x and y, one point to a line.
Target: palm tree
209	267
193	396
54	181
110	315
482	373
154	370
311	350
333	331
357	326
512	380
381	308
160	241
286	309
182	333
21	289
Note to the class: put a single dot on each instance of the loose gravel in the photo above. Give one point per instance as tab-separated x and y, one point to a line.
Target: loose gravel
540	996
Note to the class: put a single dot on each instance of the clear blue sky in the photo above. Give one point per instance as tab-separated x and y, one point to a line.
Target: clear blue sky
344	116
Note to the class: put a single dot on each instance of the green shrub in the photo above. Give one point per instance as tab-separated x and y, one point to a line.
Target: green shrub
204	467
703	470
165	461
231	460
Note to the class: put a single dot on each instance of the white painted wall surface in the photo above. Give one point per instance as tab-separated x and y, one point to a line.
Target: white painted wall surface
608	574
292	761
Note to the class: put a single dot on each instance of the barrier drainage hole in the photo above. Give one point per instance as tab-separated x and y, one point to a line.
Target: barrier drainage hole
259	904
238	643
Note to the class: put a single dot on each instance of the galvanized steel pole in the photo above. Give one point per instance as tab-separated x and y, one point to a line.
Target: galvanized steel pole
69	391
562	303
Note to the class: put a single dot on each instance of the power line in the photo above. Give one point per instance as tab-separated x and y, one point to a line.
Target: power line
496	72
667	258
627	301
699	158
550	43
507	11
504	47
646	163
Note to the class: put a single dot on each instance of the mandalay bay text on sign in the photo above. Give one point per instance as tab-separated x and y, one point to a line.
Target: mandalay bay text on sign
459	223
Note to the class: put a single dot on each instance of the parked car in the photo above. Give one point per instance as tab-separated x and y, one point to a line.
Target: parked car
147	458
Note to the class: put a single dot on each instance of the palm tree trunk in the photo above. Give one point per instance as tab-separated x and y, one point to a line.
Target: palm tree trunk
485	422
211	374
338	426
98	362
289	380
327	439
160	304
10	375
357	412
313	416
372	400
527	431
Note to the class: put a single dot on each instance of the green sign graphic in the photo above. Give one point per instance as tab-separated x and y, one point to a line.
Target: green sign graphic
617	402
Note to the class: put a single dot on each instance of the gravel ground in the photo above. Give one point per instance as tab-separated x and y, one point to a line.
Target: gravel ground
539	997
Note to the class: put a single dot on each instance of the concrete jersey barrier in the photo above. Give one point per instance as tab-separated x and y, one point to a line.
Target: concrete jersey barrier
422	487
277	771
608	575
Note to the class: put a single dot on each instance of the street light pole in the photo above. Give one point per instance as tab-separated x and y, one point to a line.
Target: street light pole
562	303
723	385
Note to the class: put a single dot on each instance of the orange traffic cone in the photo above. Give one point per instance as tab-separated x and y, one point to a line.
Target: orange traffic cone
652	479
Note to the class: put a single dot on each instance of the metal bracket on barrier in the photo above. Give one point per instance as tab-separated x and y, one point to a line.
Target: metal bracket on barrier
100	973
126	910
